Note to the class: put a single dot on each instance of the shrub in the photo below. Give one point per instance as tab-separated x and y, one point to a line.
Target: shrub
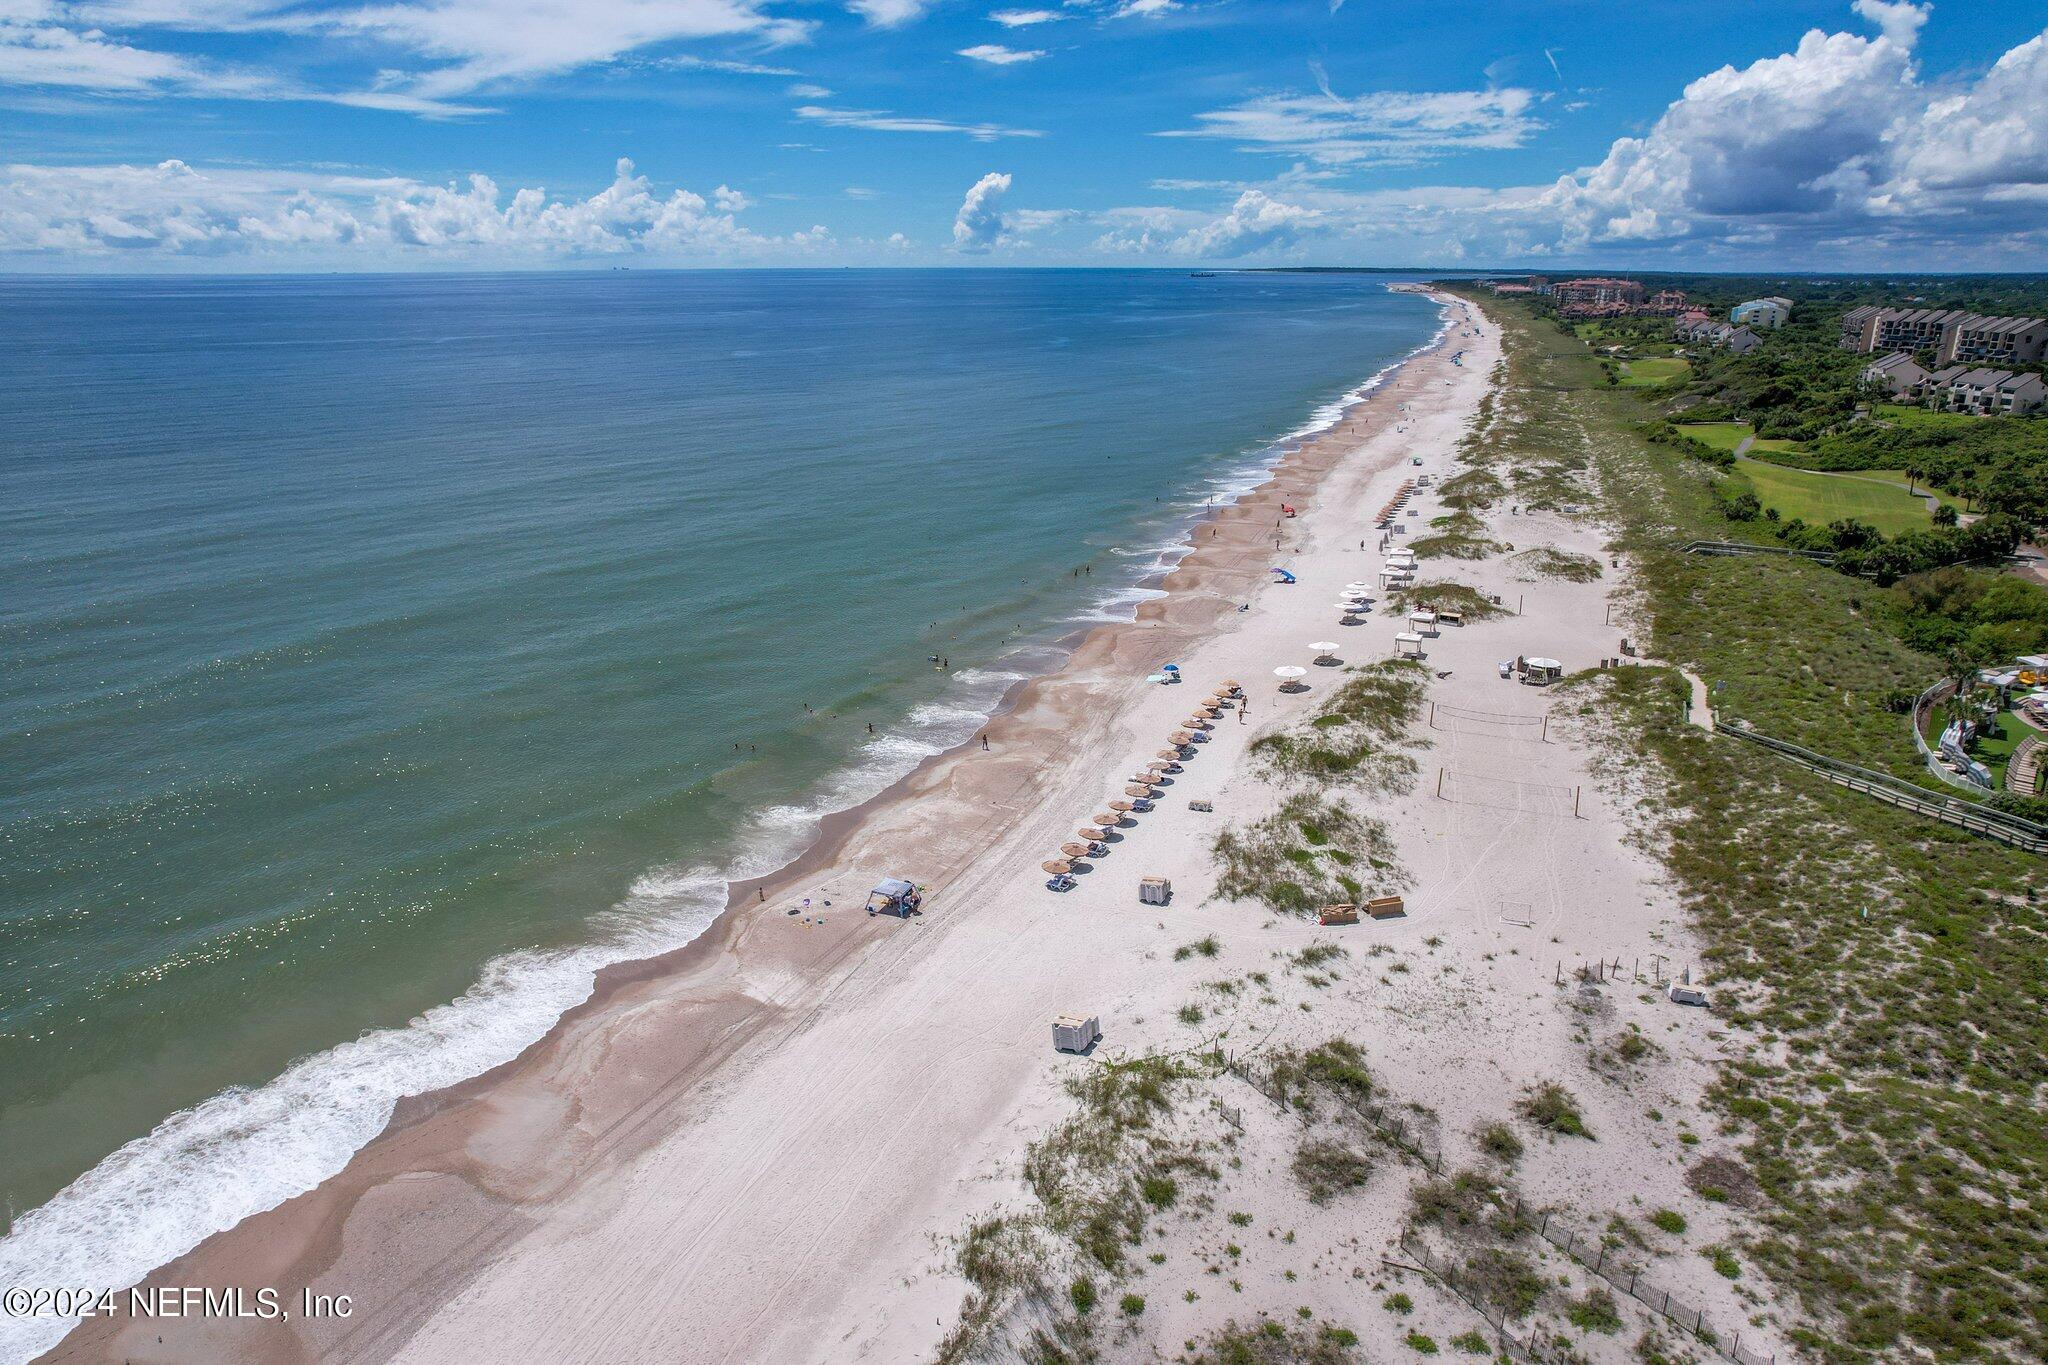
1399	1303
1595	1313
1668	1220
1326	1169
1420	1344
1551	1107
1082	1292
1131	1305
1498	1141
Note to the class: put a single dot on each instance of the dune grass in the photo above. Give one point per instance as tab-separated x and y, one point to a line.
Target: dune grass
1879	973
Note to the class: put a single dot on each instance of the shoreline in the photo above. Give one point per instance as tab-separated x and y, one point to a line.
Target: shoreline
603	1086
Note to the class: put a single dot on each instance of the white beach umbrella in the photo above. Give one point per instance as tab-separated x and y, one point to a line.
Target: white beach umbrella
1289	672
1323	646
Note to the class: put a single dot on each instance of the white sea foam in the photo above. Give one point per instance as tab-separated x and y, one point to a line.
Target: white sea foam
247	1150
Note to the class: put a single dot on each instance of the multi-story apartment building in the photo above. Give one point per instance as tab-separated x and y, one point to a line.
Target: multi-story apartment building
1955	336
1765	312
1897	374
2007	341
1985	392
1597	290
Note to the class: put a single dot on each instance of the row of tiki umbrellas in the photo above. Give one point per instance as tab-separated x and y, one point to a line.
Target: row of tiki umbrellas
1144	784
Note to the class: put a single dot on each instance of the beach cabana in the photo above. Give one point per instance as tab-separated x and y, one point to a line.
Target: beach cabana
1422	621
1407	645
1540	672
1290	676
893	896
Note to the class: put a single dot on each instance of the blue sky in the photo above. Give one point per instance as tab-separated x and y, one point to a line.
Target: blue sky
457	134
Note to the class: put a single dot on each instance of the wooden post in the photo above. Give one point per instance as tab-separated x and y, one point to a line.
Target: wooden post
1432	715
1543	735
1439	784
1575	802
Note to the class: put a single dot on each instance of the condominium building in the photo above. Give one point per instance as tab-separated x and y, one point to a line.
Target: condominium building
1984	392
1953	334
1852	325
1897	374
2010	341
1765	312
1597	290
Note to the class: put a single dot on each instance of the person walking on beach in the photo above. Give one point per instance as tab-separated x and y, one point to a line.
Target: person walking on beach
984	741
1243	707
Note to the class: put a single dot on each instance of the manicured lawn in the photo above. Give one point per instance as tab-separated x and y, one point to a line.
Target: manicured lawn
1921	417
1728	435
1818	499
1995	754
1653	373
1719	435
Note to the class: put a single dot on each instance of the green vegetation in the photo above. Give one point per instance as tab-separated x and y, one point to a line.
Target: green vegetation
1399	1303
1472	1343
1310	853
1475	605
1821	498
1547	561
1205	946
1131	1305
1326	1168
1420	1343
1882	970
1473	488
1360	733
1498	1141
1456	535
1273	1343
1596	1312
1668	1220
1551	1107
1653	372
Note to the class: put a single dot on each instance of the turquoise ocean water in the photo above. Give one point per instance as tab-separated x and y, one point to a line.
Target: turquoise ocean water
381	656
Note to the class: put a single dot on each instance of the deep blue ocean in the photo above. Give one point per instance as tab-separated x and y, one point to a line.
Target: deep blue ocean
379	656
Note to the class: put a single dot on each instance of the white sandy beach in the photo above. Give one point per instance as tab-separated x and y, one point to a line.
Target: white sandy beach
761	1149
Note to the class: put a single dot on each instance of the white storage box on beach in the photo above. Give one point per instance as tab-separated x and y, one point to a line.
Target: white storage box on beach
1075	1032
1154	891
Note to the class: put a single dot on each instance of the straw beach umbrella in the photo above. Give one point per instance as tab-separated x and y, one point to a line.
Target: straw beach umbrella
1180	737
1091	834
1057	867
1074	850
1120	807
1135	790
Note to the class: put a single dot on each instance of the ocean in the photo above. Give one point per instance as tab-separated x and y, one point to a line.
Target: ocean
383	655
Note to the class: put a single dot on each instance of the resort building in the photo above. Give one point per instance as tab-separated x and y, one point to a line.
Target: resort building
1984	392
1906	329
1852	325
1665	303
1952	334
1596	296
1741	341
1766	312
2008	341
1898	374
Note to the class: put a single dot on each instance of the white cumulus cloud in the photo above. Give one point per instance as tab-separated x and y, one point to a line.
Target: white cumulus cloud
979	225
